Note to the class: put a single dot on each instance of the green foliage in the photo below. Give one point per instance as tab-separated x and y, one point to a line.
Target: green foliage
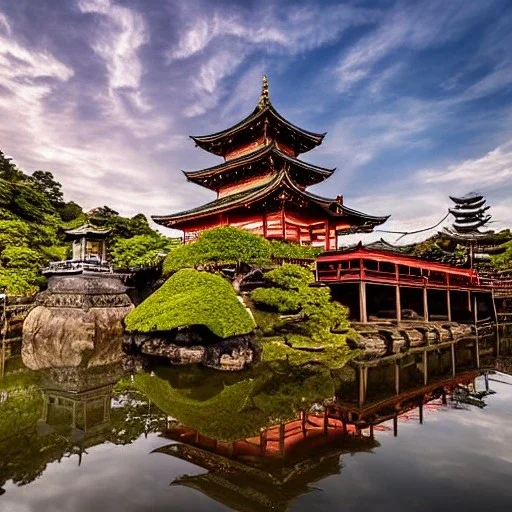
290	277
46	184
191	298
280	249
277	299
503	261
140	250
21	257
70	211
8	171
307	335
220	246
19	282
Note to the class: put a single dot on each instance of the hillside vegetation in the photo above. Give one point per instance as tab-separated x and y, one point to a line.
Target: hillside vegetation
33	218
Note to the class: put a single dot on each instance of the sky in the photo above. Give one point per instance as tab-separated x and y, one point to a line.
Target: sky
415	96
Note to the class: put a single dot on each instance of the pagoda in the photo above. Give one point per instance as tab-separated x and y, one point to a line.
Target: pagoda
261	184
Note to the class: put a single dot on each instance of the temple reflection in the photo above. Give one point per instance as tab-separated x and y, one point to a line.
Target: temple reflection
269	470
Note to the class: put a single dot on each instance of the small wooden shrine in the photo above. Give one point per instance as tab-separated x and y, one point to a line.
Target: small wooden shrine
261	185
89	243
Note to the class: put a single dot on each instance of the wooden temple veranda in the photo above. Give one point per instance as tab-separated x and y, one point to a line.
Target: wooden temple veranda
384	284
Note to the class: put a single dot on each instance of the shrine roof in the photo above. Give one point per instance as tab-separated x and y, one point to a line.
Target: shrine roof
87	230
316	174
332	207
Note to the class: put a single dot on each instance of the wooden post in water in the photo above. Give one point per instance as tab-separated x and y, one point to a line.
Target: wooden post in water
448	305
363	382
425	367
425	304
395	425
4	334
421	412
397	377
497	324
477	348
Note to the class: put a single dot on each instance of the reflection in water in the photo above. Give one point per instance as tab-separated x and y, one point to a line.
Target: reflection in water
263	438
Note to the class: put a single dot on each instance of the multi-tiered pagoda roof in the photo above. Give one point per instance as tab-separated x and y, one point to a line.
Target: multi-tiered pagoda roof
261	185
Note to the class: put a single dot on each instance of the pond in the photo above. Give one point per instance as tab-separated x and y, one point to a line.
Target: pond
276	437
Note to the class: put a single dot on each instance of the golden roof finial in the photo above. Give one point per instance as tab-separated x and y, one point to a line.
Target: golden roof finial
264	99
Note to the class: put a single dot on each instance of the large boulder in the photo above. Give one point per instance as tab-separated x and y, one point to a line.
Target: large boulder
77	323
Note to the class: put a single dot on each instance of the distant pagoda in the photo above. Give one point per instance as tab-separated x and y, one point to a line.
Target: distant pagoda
261	185
470	213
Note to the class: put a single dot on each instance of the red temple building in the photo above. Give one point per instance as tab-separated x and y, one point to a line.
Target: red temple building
261	185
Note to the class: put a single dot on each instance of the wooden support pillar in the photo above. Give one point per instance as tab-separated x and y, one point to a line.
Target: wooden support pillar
371	431
263	441
486	380
362	302
363	383
395	425
282	427
398	304
344	422
425	367
327	236
452	347
448	305
283	221
326	420
303	422
443	397
421	412
397	377
264	220
425	304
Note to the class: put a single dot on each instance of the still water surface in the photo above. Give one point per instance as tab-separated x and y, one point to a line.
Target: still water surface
102	441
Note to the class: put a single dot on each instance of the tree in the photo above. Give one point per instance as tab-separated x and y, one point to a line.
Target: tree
222	247
140	250
70	211
46	183
8	171
312	312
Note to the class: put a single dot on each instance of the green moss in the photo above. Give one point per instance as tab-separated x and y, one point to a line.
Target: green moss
268	322
190	298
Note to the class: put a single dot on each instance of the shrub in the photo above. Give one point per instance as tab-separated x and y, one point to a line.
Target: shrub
189	298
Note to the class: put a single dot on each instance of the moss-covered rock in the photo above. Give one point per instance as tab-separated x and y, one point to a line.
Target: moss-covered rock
191	298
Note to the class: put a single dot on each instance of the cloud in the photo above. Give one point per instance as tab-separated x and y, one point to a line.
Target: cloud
488	171
220	43
407	27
